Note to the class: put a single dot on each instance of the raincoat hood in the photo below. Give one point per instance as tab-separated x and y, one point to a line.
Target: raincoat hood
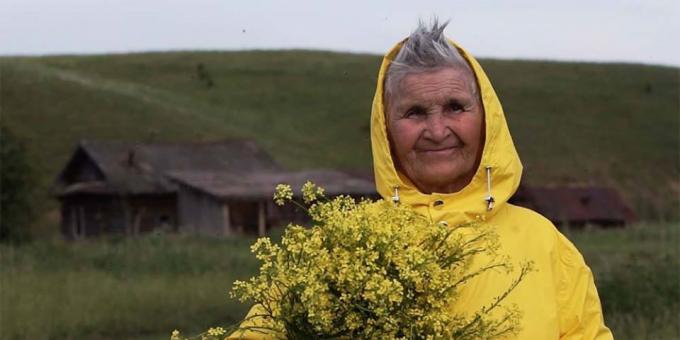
496	178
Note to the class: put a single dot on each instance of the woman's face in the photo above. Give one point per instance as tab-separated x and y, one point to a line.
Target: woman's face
436	129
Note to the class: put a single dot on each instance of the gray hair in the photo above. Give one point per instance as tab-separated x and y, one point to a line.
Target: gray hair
426	49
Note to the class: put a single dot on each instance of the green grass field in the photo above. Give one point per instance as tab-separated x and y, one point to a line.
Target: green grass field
636	272
129	288
144	288
611	124
587	123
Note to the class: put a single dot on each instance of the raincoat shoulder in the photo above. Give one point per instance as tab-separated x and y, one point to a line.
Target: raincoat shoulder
562	294
249	329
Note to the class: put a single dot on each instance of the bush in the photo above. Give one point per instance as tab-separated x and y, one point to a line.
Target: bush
16	186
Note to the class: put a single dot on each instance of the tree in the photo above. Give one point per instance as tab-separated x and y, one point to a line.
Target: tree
16	188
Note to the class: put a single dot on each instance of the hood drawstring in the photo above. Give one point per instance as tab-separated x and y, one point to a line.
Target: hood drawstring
489	198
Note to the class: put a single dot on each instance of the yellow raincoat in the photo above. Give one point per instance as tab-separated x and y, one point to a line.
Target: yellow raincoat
559	300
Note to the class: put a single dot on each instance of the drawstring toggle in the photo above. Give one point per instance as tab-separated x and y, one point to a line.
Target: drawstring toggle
489	198
395	198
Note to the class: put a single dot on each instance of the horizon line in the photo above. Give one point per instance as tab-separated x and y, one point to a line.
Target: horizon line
307	49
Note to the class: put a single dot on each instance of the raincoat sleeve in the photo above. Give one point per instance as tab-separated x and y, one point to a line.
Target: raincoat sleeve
580	312
252	321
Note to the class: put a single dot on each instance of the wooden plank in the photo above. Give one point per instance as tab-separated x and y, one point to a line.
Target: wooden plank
226	219
261	219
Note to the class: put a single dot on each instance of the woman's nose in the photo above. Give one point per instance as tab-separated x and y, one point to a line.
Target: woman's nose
437	127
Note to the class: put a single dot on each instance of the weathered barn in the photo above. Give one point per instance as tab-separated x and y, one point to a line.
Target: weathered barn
576	206
216	188
119	187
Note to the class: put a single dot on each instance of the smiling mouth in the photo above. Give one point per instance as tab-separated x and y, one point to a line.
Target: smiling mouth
440	153
440	150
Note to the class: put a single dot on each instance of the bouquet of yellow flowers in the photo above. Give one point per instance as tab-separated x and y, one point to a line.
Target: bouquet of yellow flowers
370	270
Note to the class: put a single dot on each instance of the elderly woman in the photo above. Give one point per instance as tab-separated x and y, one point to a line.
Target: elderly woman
441	145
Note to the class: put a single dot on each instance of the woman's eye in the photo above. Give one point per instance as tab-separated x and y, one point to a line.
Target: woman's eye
414	113
455	107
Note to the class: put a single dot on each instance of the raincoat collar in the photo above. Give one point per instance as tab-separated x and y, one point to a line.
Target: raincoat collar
499	159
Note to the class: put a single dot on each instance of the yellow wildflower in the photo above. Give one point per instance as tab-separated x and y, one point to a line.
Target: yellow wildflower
371	270
216	331
175	335
311	192
282	193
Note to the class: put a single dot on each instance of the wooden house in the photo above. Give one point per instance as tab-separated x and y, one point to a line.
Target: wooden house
117	187
110	187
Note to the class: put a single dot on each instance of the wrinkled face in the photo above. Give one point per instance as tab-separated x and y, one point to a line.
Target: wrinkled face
435	124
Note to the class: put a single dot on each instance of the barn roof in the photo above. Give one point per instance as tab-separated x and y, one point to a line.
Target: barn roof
140	168
262	184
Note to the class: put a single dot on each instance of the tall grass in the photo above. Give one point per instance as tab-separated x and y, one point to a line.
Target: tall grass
120	289
143	288
637	272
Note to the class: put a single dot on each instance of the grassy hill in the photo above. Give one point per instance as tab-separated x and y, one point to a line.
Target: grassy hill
613	124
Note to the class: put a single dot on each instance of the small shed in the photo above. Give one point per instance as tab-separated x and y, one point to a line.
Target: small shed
223	204
576	206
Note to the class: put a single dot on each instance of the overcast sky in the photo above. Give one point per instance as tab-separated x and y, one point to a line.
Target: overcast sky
623	30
